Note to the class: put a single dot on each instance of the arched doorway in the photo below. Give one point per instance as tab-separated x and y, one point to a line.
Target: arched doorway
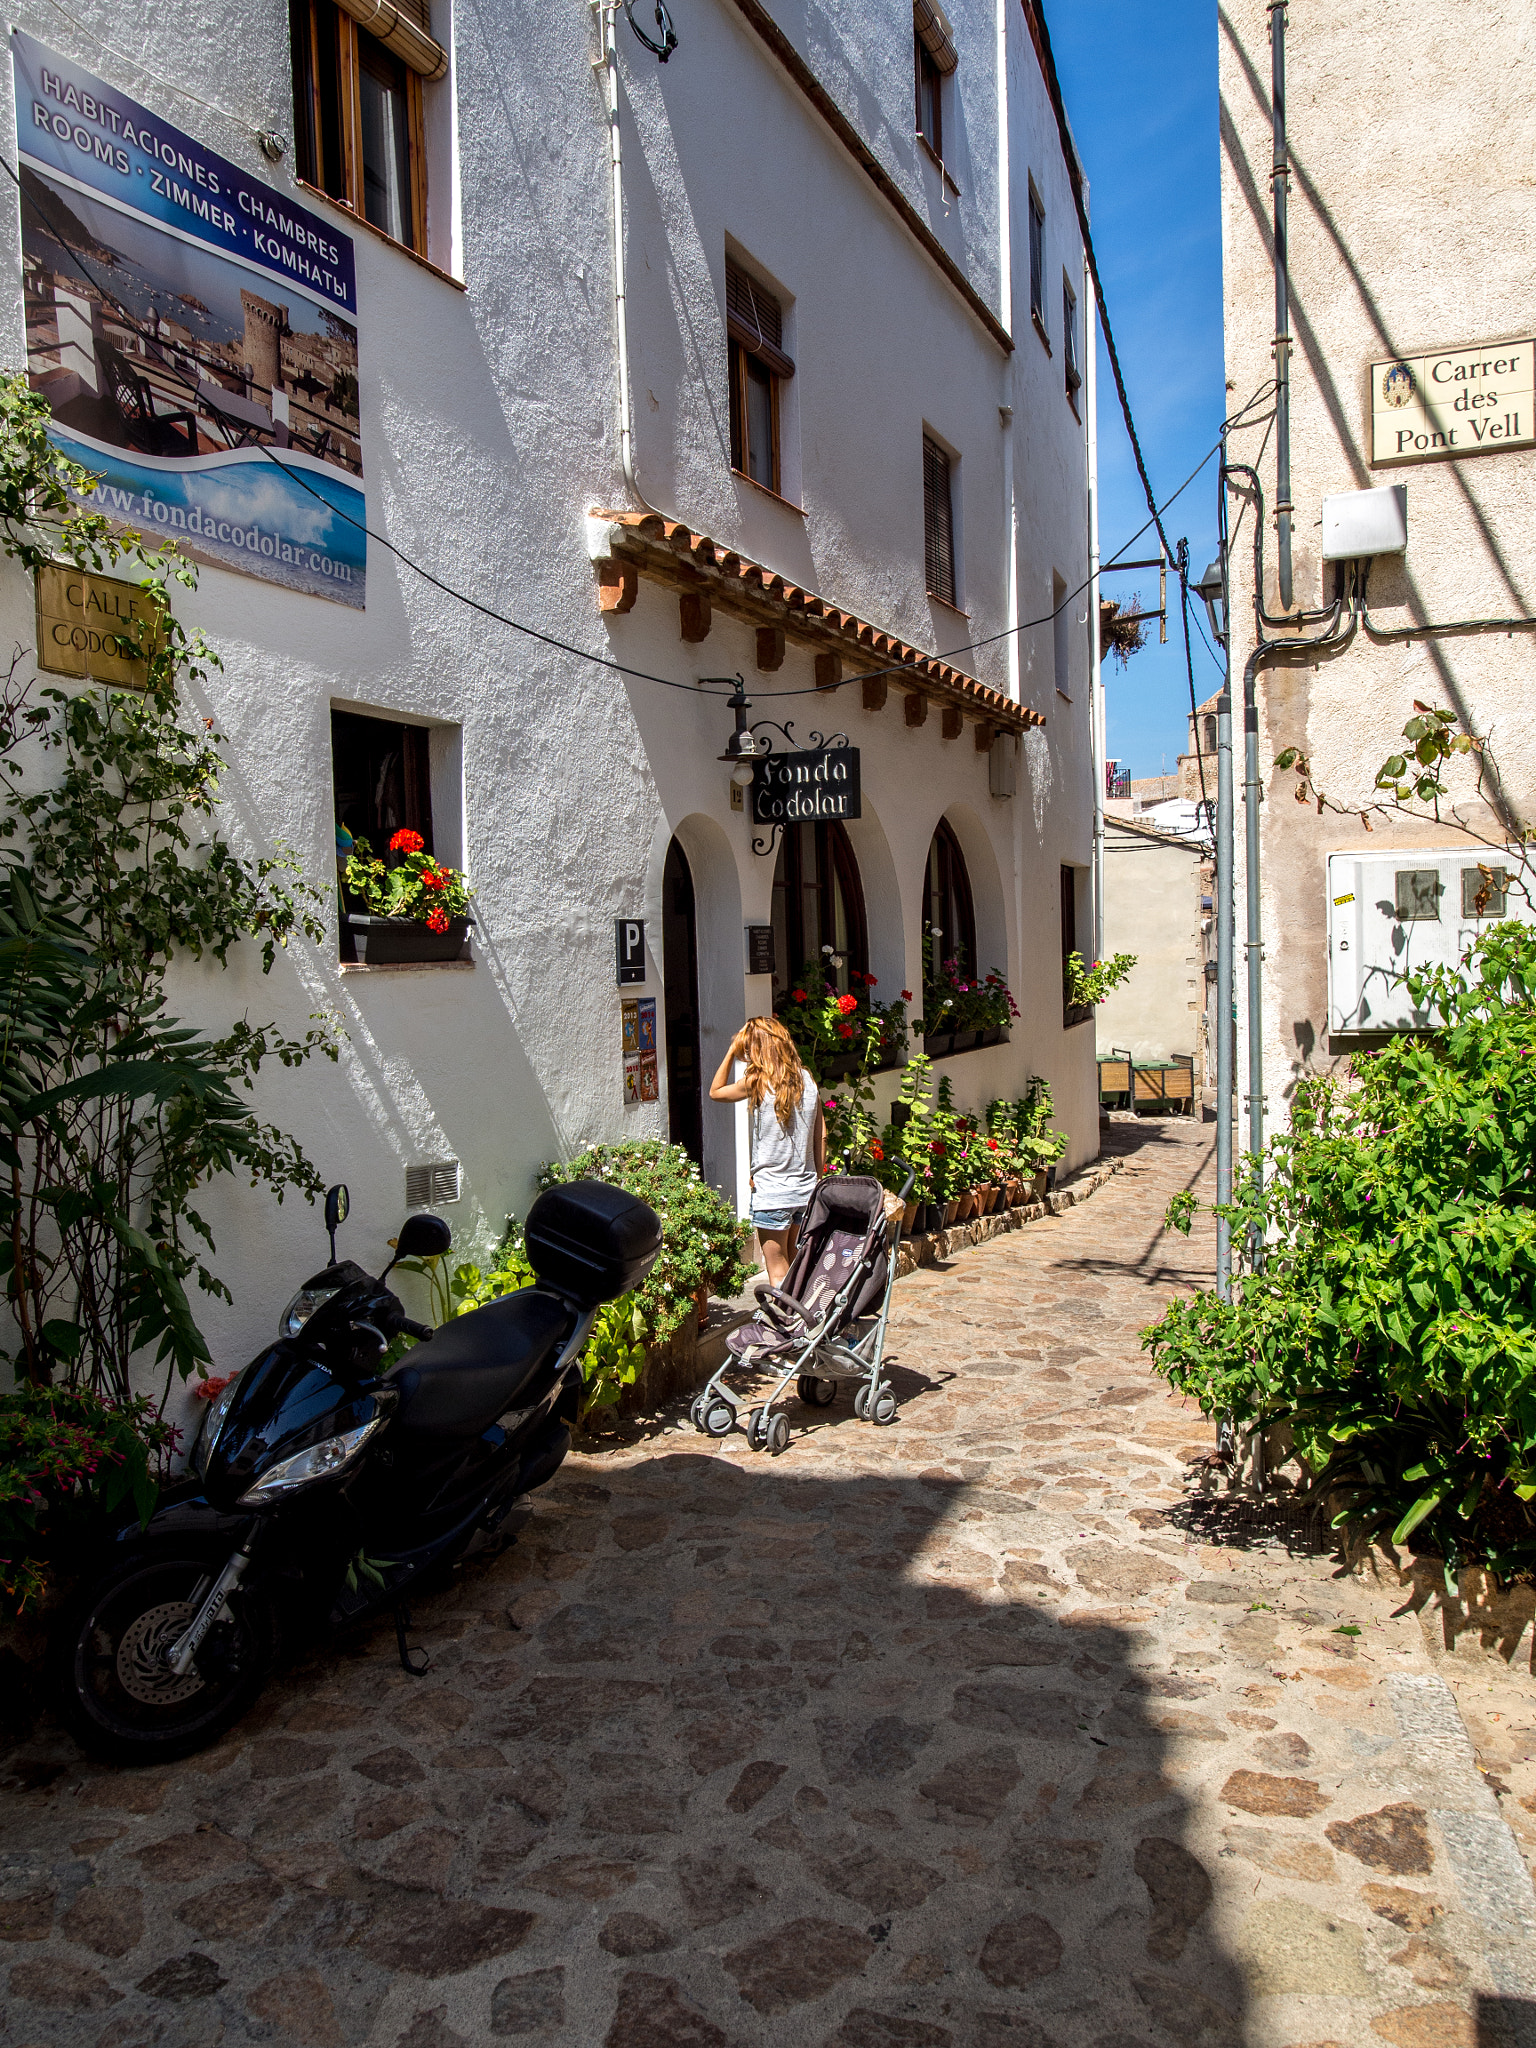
818	901
680	965
948	905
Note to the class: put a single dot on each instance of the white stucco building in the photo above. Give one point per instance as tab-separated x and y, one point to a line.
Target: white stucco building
859	446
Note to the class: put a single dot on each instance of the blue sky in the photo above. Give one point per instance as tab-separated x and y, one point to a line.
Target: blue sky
1140	87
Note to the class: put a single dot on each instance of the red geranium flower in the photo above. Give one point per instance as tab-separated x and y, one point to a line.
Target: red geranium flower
993	1143
433	878
438	919
210	1388
906	995
870	981
845	1031
406	841
798	994
847	1005
876	1149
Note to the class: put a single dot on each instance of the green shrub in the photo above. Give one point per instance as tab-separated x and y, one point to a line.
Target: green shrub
703	1240
64	1455
1388	1315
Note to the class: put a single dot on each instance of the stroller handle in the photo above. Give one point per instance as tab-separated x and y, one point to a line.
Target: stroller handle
906	1186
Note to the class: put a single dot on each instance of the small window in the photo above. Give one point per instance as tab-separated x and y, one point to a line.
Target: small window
1417	895
1061	635
930	101
1069	349
938	522
1484	892
357	102
1036	258
754	322
951	913
381	783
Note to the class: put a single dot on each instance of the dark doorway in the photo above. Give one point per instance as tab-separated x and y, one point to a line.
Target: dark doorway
680	964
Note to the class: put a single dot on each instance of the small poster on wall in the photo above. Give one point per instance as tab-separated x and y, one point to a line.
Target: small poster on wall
650	1080
629	1010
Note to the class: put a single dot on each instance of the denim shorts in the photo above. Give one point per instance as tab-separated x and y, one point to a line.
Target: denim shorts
776	1219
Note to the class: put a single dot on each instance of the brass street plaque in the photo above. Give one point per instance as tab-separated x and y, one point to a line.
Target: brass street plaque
1466	401
86	626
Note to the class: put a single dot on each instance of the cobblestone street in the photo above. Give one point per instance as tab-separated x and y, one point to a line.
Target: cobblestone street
973	1732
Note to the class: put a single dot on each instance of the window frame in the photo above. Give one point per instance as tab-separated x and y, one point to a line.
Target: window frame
1070	352
949	899
927	74
836	862
741	362
1071	1013
749	346
1037	264
934	454
415	789
318	30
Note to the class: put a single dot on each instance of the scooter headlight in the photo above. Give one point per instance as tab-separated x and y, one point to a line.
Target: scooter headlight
306	1303
213	1421
321	1461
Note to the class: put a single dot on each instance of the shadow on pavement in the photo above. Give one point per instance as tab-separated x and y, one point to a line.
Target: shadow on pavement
769	1758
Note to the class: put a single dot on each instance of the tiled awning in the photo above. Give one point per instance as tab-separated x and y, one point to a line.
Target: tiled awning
706	575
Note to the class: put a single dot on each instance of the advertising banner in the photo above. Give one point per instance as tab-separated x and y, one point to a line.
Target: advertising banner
195	334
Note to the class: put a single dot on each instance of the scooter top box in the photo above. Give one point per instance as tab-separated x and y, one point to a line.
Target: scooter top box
591	1241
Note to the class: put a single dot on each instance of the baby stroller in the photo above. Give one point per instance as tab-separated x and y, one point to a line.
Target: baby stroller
843	1271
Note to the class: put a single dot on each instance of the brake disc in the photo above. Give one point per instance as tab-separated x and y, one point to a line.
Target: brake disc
142	1671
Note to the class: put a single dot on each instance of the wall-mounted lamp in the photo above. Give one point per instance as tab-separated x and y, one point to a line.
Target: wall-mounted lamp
741	749
1213	588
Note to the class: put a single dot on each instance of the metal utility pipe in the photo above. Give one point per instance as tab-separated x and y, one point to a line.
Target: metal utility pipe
607	15
1097	724
1224	916
1253	796
1280	178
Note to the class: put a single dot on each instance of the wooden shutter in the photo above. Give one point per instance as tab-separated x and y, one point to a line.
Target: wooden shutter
754	317
931	25
404	26
938	523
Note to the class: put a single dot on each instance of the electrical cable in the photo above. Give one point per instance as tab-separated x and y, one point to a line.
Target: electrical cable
533	632
1430	632
1189	663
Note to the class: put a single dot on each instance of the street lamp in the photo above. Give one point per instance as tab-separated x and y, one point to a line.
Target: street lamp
1213	588
741	749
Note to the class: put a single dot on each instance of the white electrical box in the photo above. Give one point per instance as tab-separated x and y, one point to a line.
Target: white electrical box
1390	915
1361	523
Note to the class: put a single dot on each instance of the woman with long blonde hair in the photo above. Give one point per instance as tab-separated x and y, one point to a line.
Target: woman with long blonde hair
787	1135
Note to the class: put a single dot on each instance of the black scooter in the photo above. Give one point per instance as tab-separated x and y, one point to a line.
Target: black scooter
320	1490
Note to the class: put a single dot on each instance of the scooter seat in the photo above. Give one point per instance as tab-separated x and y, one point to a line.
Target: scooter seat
481	1364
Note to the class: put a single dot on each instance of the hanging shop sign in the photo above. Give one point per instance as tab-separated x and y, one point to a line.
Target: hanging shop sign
195	334
629	949
789	789
1466	401
95	627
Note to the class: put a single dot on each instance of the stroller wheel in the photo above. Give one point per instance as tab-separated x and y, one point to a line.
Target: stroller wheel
778	1434
861	1402
718	1419
816	1393
883	1408
757	1429
696	1410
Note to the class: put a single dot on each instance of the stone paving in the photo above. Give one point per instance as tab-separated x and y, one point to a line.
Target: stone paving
973	1732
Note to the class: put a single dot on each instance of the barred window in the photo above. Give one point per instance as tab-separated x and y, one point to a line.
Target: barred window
938	522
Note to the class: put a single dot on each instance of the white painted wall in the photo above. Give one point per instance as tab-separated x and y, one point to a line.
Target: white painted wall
488	431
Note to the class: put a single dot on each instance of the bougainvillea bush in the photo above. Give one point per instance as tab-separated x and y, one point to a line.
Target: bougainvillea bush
66	1453
410	884
1388	1310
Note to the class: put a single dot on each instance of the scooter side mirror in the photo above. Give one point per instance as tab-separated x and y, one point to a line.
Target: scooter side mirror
423	1237
337	1204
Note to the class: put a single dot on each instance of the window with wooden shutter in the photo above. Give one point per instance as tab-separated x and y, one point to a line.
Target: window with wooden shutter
1036	258
357	104
754	326
1074	375
938	522
933	56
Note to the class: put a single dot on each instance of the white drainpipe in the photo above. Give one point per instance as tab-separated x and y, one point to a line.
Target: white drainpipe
1096	714
607	11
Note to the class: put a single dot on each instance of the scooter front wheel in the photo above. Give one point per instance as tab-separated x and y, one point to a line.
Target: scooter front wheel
113	1689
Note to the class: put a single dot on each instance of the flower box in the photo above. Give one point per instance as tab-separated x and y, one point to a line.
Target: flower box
403	941
943	1044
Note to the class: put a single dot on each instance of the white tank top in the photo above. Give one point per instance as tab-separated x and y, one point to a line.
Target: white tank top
783	1170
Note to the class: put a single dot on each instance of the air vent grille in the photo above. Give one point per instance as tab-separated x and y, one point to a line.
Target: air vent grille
436	1182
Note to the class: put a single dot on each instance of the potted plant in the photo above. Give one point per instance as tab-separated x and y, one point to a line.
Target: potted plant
841	1033
961	1010
416	907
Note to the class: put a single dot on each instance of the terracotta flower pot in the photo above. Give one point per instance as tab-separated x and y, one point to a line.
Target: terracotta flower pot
951	1210
1042	1180
909	1217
